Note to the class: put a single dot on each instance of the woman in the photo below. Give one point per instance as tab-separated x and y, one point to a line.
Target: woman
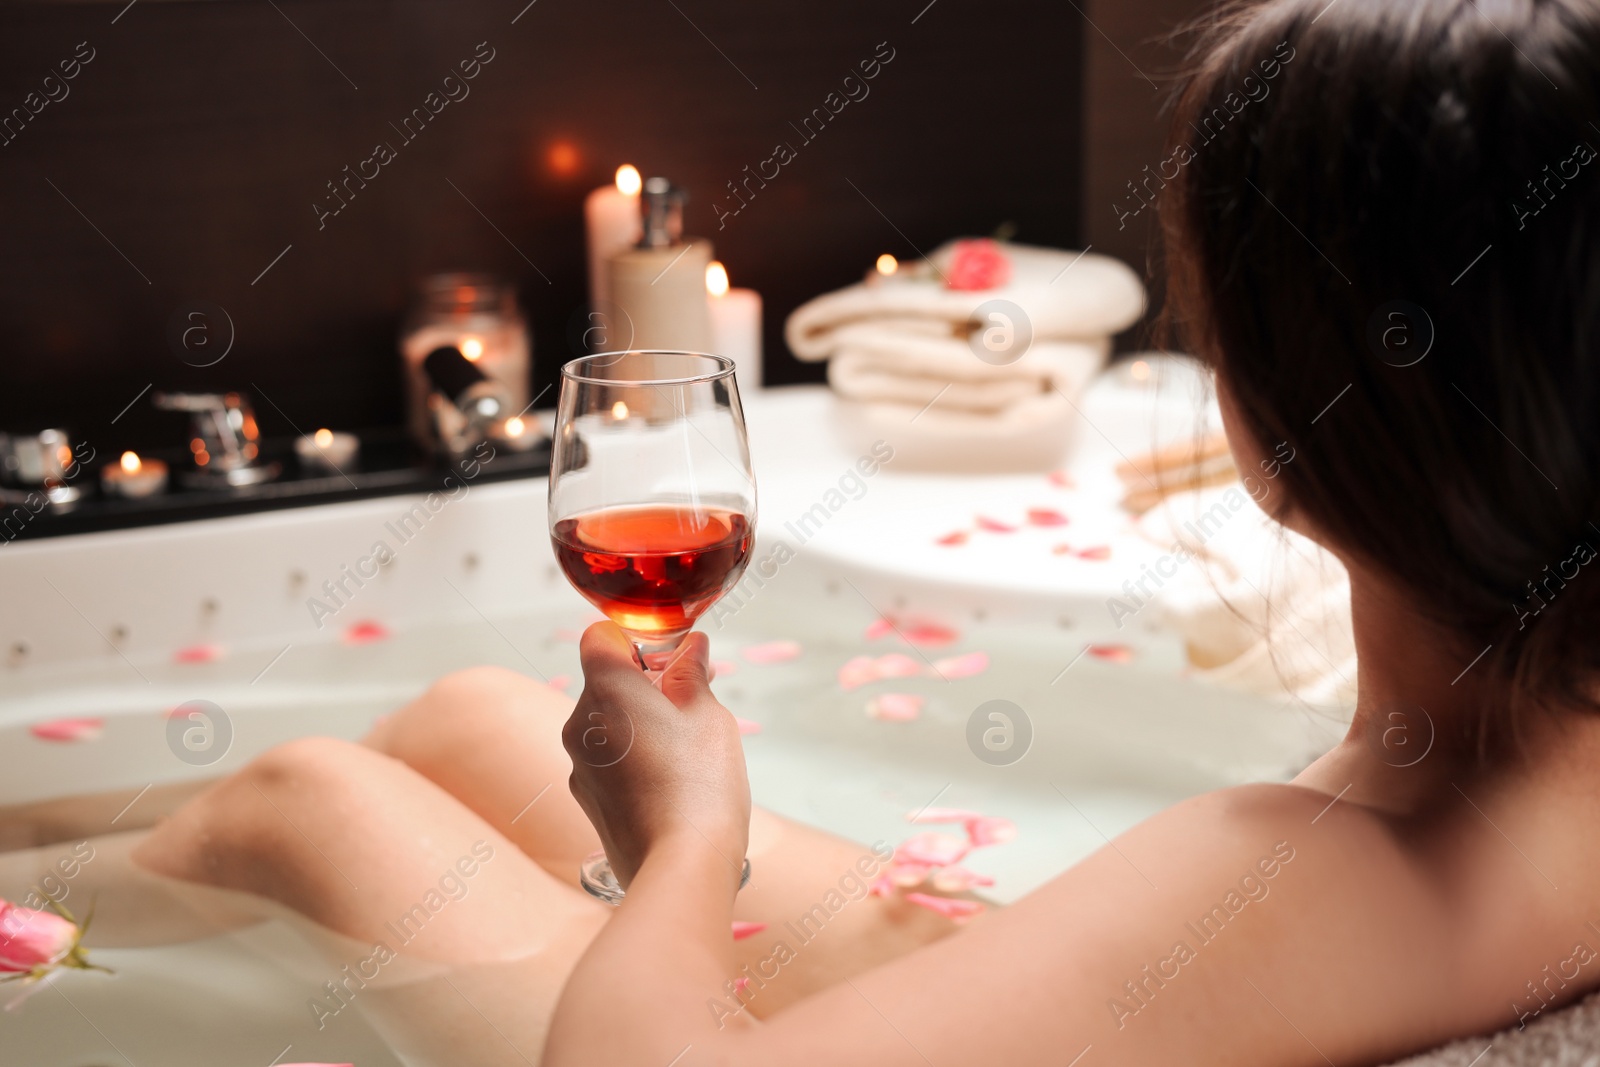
1380	221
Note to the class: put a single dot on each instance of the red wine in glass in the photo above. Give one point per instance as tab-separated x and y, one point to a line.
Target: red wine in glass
653	568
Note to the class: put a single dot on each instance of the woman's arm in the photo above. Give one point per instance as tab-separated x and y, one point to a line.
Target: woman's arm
1229	929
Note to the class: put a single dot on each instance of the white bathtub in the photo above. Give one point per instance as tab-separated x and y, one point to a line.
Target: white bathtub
93	622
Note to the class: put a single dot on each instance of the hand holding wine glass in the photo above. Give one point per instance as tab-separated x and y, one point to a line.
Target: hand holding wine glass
652	502
682	783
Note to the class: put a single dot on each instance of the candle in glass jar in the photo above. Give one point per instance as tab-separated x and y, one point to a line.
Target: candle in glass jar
611	219
735	325
134	477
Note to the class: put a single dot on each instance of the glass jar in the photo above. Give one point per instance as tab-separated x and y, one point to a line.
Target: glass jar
476	313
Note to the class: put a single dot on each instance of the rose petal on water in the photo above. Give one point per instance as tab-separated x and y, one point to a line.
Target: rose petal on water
68	729
898	665
955	879
958	537
742	930
365	632
962	666
1046	517
953	909
857	672
895	707
994	525
772	652
933	848
938	815
1112	653
990	830
1062	480
197	654
1097	553
880	627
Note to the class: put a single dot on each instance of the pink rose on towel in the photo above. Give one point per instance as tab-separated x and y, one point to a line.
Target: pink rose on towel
977	265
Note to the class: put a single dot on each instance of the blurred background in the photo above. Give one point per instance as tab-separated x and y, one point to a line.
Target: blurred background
182	167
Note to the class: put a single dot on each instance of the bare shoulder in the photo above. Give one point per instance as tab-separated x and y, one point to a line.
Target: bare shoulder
1253	925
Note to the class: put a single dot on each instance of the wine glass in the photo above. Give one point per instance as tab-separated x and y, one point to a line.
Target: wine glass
652	505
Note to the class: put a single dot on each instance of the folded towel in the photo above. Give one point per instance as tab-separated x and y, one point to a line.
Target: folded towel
880	361
1065	295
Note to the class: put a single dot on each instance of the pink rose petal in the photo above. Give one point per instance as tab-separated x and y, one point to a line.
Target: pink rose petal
721	668
990	830
772	652
895	707
905	875
1062	480
952	909
858	672
994	525
1046	517
1062	549
896	665
955	879
742	930
197	654
68	729
963	666
1097	553
933	849
365	632
1112	653
881	627
926	634
938	815
560	682
959	537
746	727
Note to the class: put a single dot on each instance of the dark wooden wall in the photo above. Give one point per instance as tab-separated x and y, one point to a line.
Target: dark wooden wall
190	150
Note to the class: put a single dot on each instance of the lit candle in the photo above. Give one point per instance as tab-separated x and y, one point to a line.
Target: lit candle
735	325
326	452
883	268
611	218
519	434
134	477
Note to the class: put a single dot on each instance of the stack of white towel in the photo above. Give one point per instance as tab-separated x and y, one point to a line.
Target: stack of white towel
904	352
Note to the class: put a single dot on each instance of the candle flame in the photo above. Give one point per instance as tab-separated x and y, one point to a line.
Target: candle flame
131	463
716	279
628	181
515	426
472	348
887	264
323	437
619	410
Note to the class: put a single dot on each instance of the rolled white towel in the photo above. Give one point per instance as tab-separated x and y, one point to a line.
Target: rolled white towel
1065	295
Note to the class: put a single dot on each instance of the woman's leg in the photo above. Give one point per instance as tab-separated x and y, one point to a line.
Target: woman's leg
492	739
361	844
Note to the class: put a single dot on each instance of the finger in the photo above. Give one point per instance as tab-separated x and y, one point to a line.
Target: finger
605	648
687	678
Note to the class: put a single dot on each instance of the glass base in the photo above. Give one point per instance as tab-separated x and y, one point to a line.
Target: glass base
598	881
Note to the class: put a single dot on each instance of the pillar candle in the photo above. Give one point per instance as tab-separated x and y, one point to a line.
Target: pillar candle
735	325
611	219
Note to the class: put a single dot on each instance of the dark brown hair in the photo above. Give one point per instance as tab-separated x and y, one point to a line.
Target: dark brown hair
1365	182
